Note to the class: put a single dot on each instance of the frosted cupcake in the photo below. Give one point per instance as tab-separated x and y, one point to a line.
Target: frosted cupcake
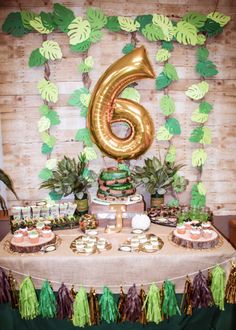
207	233
40	226
47	232
24	231
188	224
195	234
206	225
18	237
181	229
33	237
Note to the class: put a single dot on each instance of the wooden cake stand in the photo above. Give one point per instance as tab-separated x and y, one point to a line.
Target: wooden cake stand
186	241
27	247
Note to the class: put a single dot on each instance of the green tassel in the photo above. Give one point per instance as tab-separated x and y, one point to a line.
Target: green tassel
170	306
218	286
47	301
153	301
109	310
81	314
28	303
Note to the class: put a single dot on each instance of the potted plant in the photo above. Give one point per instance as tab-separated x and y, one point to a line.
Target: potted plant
72	176
8	182
157	177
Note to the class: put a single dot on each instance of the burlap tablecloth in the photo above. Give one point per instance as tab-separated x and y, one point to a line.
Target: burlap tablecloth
114	268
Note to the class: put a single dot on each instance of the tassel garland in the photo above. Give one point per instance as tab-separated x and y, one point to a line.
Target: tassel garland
94	307
218	286
153	302
13	291
121	304
109	310
230	291
132	307
47	301
5	294
64	303
202	296
170	306
28	302
143	314
186	303
81	314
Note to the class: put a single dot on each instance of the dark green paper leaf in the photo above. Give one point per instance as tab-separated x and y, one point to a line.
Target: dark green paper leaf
96	18
36	59
45	149
205	107
143	20
162	81
206	68
113	24
45	174
196	134
47	20
128	48
212	28
202	53
62	16
170	71
81	47
53	117
55	196
173	126
13	25
168	45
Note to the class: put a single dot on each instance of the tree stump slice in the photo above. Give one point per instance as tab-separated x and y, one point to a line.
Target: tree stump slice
186	241
27	247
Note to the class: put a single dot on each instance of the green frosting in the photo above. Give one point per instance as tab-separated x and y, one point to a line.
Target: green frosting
113	175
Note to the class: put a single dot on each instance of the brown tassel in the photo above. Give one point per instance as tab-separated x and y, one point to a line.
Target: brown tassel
73	292
121	305
13	291
143	316
186	303
94	307
230	291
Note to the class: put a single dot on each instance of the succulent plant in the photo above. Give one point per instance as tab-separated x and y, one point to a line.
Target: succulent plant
156	176
4	177
70	177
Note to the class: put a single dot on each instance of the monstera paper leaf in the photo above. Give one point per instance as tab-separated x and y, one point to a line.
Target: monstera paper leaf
90	153
206	138
196	134
26	17
201	39
205	107
206	68
50	50
171	154
48	139
165	24
197	199
37	24
170	71
128	24
83	135
131	94
162	55
152	32
48	90
43	124
79	30
163	134
36	58
173	126
186	33
196	19
96	18
62	16
199	156
167	105
199	117
219	18
95	36
14	25
197	91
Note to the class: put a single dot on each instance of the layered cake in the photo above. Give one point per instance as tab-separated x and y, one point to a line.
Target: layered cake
115	184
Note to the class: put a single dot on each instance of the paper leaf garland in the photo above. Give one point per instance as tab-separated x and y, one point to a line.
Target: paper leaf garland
45	174
195	19
170	71
167	105
77	99
13	25
186	33
167	45
197	91
26	17
113	24
36	59
128	24
171	154
51	164
45	149
202	54
199	117
173	126
165	25
48	139
212	28
201	189
96	18
81	47
37	24
152	32
201	38
90	153
48	90
53	117
206	69
95	36
128	48
197	199
83	135
162	81
199	157
43	124
79	30
86	65
163	134
205	107
47	20
50	50
219	18
162	55
62	16
131	94
196	134
206	138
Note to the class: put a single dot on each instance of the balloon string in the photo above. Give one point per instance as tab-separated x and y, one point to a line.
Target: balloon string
118	285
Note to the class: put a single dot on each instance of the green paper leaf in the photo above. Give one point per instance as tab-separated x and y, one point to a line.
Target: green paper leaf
163	134
202	53
168	45
219	18
205	107
37	24
173	126
48	139
26	17
195	19
43	124
152	32
197	91
51	164
83	134
53	117
75	98
201	39
186	33
13	25
171	154
173	203
81	47
199	157
50	50
90	153
128	49
167	105
44	109
196	134
86	65
83	112
143	20
36	59
55	196
206	69
128	24
201	189
113	24
85	99
162	55
170	71
96	18
45	174
197	200
206	138
48	90
95	36
46	150
62	16
47	20
79	30
131	93
199	117
212	28
162	81
165	24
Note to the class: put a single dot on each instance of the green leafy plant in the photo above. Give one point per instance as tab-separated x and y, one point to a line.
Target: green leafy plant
4	177
155	175
71	176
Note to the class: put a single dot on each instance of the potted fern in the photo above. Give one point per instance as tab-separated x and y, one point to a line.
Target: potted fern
156	177
71	176
4	177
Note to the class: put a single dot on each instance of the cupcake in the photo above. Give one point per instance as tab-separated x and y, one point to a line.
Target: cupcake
47	232
206	225
33	237
40	226
188	224
207	233
195	234
18	237
24	231
181	229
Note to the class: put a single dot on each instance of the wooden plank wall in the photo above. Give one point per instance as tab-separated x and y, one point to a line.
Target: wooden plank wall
19	99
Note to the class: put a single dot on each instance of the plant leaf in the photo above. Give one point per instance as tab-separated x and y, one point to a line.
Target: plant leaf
128	49
26	17
13	25
170	71
113	24
45	174
79	30
96	18
81	47
162	81
173	126
62	16
186	33
199	117
36	59
50	50
196	134
131	93
95	36
163	134
202	53
48	90
195	19
168	45
128	24
37	24
199	157
206	138
171	154
197	200
206	69
90	153
167	105
219	18
83	134
53	117
205	107
162	55
165	24
46	149
152	32
43	124
197	91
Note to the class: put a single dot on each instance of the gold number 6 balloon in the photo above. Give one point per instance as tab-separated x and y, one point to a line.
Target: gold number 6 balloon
105	108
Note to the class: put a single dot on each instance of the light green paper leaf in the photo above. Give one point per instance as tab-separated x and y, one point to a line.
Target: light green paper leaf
173	126
79	30
53	117
171	154
199	117
131	93
165	25
76	98
48	139
219	18
83	134
128	24
197	200
51	164
201	189
26	17
196	19
201	39
50	50
206	138
199	157
96	18
162	55
170	71
90	153
95	36
44	109
45	174
36	59
85	99
197	91
152	32
83	68
167	105
89	61
163	134
37	24
186	33
205	107
43	124
202	53
162	81
48	90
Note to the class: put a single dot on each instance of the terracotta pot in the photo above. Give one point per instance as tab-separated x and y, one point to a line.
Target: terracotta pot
157	200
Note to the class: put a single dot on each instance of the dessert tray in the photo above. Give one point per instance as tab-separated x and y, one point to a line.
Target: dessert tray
86	245
27	247
148	243
162	216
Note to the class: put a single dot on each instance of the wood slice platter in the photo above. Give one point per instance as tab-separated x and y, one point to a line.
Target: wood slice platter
186	241
27	247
